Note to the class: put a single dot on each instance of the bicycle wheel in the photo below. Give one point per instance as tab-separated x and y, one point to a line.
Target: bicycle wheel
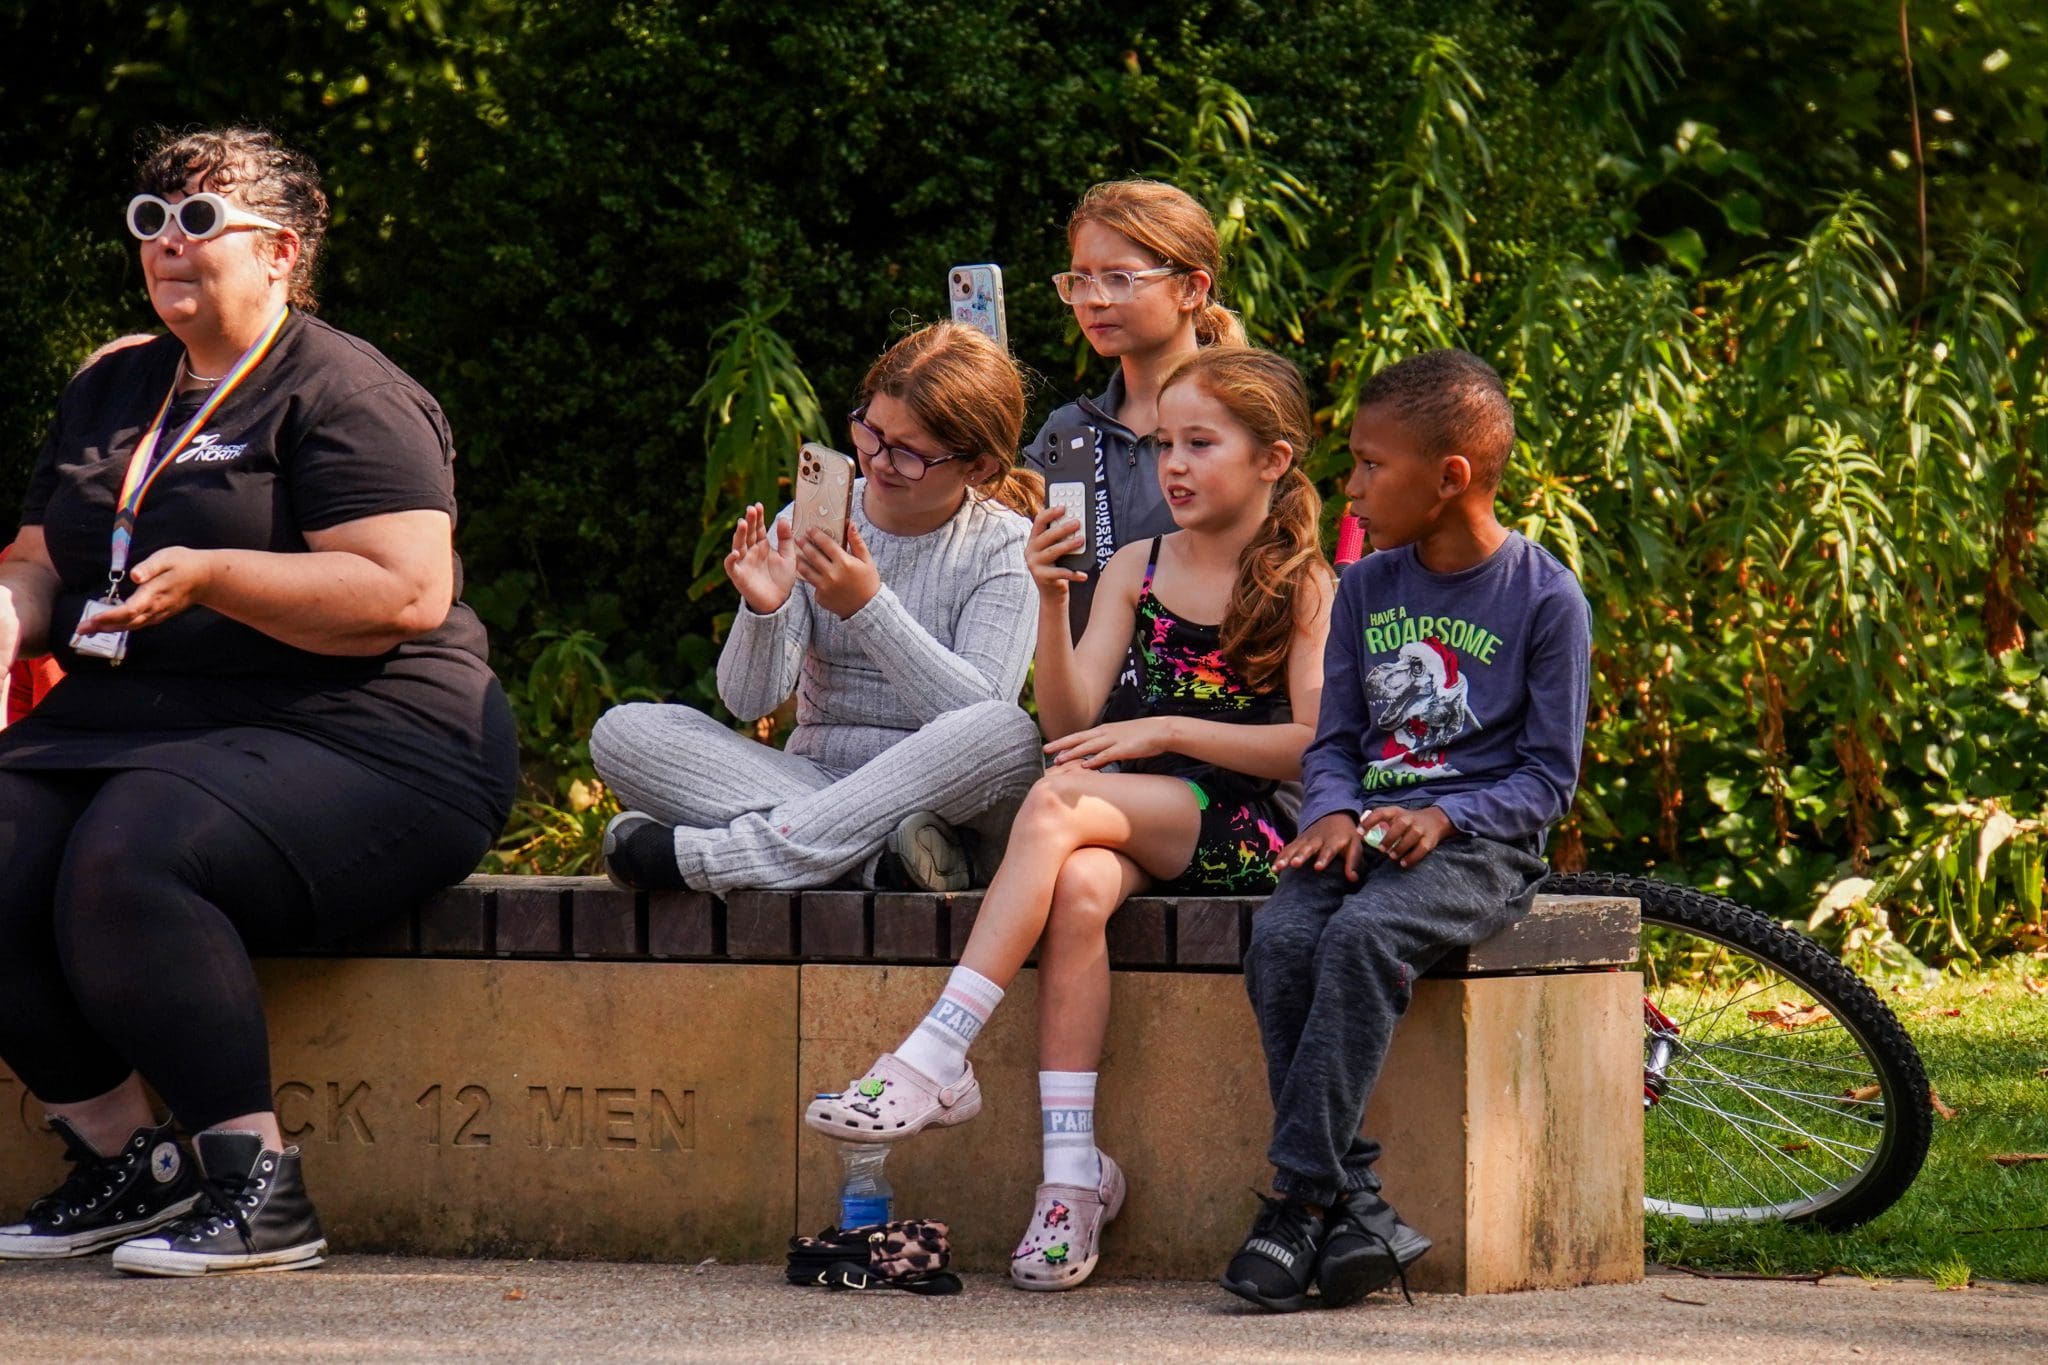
1776	1085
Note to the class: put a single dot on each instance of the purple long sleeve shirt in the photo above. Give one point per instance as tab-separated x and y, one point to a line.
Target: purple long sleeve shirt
1465	691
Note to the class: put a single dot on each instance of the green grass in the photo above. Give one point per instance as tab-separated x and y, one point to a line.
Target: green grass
1966	1217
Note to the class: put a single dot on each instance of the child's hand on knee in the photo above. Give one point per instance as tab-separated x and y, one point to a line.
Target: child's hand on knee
1406	836
1334	836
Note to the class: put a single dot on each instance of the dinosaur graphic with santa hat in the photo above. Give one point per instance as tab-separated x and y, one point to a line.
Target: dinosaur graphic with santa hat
1418	700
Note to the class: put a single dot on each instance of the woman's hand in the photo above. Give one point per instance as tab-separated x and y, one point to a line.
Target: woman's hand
843	580
166	584
1115	742
1407	835
1329	839
761	564
1053	533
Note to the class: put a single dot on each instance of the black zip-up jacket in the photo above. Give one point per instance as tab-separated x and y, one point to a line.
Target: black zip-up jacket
1121	470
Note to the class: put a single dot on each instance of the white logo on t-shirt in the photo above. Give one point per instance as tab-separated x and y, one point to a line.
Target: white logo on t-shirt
206	448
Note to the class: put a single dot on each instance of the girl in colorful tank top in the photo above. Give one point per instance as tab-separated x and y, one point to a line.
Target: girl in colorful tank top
1176	724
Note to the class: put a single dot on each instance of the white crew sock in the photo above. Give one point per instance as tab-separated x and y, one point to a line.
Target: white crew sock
1066	1108
938	1045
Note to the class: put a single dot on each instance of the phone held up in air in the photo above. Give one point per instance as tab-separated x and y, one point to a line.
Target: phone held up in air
1070	485
824	492
976	294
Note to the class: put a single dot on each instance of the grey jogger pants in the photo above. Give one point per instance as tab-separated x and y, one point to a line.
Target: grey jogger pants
1332	966
748	815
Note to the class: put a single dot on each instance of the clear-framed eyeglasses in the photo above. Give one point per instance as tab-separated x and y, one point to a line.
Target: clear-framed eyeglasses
1111	286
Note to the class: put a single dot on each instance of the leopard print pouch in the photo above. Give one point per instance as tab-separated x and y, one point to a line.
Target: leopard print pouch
909	1254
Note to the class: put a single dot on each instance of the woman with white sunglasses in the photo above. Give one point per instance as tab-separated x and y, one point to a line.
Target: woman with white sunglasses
277	723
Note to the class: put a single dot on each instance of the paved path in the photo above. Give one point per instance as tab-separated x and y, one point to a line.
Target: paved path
390	1308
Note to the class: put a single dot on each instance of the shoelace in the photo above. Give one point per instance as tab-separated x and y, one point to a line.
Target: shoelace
1289	1223
1400	1271
77	1194
219	1206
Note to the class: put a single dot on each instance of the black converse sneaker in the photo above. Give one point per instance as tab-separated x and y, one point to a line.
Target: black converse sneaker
253	1214
105	1199
1369	1247
1274	1266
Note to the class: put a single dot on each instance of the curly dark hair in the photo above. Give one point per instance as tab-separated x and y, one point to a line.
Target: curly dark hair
1455	402
267	176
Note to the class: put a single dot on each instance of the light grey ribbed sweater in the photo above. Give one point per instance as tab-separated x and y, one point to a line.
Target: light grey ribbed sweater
955	623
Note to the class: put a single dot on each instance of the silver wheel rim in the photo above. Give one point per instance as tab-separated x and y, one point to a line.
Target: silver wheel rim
1755	1122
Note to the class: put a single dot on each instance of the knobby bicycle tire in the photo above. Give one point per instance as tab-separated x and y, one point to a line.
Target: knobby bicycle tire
1885	1048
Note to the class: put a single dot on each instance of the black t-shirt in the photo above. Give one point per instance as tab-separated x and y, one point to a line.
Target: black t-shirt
325	431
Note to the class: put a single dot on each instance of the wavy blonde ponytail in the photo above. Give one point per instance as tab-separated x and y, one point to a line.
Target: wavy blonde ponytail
1266	392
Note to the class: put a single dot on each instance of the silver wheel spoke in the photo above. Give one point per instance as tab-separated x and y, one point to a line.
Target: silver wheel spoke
1776	1157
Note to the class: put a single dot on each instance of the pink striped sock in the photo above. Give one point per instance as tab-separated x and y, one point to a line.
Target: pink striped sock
1066	1109
938	1045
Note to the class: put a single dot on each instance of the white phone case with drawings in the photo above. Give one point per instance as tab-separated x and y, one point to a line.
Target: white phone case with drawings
976	294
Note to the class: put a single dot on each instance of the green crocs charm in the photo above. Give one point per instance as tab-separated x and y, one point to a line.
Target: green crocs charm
1056	1254
870	1089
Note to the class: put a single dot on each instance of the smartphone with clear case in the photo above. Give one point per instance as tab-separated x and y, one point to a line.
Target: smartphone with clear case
824	492
976	295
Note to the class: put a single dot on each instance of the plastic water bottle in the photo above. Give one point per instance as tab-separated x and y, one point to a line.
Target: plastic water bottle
865	1198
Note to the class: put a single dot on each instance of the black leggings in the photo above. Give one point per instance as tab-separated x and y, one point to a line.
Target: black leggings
129	903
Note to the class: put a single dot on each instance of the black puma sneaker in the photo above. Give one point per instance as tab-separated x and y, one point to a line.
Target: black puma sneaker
105	1199
1278	1259
1369	1247
252	1214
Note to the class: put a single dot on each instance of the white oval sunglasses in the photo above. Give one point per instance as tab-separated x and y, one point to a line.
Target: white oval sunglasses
200	216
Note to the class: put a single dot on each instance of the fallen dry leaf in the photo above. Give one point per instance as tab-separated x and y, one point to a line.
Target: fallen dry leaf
1939	1108
2019	1158
1863	1092
2035	986
1694	1303
514	1295
1931	1013
2043	1073
1786	1015
1987	990
1794	1146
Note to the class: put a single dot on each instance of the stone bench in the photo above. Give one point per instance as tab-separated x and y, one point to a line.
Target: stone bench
551	1067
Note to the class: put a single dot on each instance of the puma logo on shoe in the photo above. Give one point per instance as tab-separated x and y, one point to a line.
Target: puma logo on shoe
1272	1249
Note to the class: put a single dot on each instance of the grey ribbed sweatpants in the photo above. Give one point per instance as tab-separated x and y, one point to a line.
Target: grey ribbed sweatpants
748	815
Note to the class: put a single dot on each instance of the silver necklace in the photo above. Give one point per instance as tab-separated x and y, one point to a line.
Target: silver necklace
197	377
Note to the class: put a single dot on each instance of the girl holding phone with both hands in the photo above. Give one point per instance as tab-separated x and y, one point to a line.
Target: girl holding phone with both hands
906	647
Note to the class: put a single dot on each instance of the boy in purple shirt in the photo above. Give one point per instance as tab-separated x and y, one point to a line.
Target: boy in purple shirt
1454	704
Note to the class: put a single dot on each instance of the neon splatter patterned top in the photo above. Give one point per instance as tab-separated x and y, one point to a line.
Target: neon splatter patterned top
1175	667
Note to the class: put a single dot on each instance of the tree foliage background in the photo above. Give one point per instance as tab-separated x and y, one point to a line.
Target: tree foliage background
1766	281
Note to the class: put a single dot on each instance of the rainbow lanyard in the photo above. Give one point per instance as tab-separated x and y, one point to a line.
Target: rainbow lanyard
146	463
